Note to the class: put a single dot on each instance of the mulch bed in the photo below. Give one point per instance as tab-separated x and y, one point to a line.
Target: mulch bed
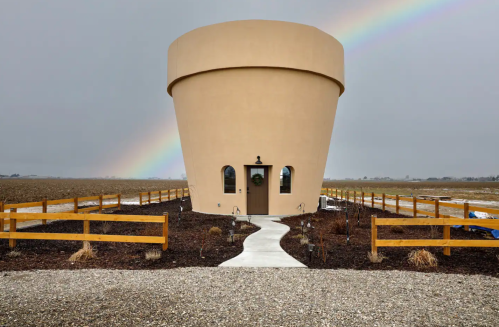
183	251
354	256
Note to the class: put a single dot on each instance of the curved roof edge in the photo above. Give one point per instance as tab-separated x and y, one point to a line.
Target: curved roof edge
259	44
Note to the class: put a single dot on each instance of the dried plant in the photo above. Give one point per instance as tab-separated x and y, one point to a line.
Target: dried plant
298	236
106	227
246	226
152	229
397	229
434	232
304	240
14	254
305	229
422	259
376	257
215	231
84	254
340	226
236	237
153	255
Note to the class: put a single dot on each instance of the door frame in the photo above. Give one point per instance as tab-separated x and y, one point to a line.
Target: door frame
247	181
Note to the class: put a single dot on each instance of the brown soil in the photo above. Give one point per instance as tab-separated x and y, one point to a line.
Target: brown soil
339	255
183	251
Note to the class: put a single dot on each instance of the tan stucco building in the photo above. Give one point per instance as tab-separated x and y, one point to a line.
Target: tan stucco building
253	88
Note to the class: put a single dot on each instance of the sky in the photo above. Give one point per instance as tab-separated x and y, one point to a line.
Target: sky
83	84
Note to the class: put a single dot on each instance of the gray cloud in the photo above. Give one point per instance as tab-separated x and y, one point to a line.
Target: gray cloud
81	81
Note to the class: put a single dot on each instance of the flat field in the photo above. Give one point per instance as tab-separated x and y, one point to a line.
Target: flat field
484	191
28	190
33	190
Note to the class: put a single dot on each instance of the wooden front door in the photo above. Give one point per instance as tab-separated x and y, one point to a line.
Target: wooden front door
258	195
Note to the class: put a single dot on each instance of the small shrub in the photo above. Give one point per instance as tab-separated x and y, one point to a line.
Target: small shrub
422	259
14	254
298	236
84	254
215	231
304	240
375	257
152	229
397	229
316	220
106	227
340	226
434	232
153	255
245	226
305	229
236	237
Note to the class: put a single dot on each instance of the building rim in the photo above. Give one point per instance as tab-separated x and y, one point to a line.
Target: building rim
334	45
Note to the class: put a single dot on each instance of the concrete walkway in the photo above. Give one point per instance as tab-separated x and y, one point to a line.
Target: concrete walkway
262	249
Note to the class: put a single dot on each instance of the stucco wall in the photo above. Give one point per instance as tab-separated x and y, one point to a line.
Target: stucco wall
249	88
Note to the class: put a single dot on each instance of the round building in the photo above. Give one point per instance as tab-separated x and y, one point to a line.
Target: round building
255	103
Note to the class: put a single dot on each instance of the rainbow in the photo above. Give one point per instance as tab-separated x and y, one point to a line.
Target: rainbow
159	154
367	26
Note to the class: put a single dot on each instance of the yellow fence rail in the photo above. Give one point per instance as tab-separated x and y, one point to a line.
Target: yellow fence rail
76	201
359	197
160	196
446	242
12	235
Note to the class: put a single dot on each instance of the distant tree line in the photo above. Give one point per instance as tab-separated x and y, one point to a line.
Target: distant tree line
12	176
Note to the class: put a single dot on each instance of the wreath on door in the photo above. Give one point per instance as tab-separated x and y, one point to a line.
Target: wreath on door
257	179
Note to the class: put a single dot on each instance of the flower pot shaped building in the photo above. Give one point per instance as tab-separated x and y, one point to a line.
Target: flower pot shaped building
255	102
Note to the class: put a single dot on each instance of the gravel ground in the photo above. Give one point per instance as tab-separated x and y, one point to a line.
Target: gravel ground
246	297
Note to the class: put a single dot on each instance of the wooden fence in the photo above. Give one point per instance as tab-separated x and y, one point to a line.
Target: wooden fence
359	197
446	242
147	197
45	203
12	235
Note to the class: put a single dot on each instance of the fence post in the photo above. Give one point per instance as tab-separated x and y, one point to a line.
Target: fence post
362	198
372	199
383	202
119	201
13	229
86	230
100	204
44	210
341	195
437	208
183	192
354	197
75	205
374	235
149	195
414	207
397	207
466	214
347	196
168	195
165	231
160	196
2	222
176	193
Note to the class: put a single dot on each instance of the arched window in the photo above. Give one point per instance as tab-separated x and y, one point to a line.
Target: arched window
286	180
229	180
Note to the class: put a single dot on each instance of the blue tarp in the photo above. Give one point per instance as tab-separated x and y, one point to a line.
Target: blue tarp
494	232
